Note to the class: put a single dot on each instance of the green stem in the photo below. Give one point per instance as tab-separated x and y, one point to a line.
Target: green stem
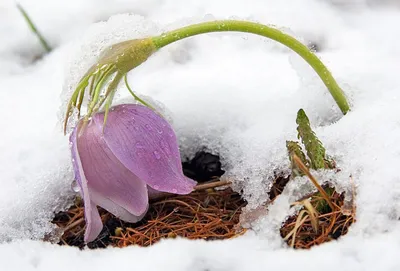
265	31
33	28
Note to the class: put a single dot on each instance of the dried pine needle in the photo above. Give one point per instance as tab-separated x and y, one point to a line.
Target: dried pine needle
207	214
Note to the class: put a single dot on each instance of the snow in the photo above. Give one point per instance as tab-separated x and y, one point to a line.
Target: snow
237	94
239	254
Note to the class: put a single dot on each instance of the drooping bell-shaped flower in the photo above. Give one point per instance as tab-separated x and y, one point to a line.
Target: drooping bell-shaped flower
116	165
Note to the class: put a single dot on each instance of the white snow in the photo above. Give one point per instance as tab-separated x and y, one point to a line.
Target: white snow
237	94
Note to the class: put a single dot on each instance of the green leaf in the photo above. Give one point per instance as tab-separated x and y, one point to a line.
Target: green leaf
315	149
137	98
109	96
293	147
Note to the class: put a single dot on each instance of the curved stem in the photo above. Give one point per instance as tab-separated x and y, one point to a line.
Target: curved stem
262	30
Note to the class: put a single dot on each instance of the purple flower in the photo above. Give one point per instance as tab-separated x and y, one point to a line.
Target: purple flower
116	168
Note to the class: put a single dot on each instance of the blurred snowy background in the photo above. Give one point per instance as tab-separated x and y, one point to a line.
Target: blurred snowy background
234	93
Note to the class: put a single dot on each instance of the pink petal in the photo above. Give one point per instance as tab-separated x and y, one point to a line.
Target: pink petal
146	144
92	217
114	208
108	178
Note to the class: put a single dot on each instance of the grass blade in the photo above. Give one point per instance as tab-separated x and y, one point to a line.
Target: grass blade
34	29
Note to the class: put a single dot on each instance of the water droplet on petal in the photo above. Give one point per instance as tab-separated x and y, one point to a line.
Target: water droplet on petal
152	116
164	145
75	186
139	145
156	187
157	155
148	127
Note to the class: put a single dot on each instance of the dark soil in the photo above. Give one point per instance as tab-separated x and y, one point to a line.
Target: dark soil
203	167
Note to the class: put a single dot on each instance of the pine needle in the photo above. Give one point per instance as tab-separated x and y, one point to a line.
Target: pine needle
305	170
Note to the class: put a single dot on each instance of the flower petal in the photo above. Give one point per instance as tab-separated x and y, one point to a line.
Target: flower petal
107	176
146	144
114	208
92	217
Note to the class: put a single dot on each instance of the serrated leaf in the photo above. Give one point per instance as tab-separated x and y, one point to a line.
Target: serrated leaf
315	149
